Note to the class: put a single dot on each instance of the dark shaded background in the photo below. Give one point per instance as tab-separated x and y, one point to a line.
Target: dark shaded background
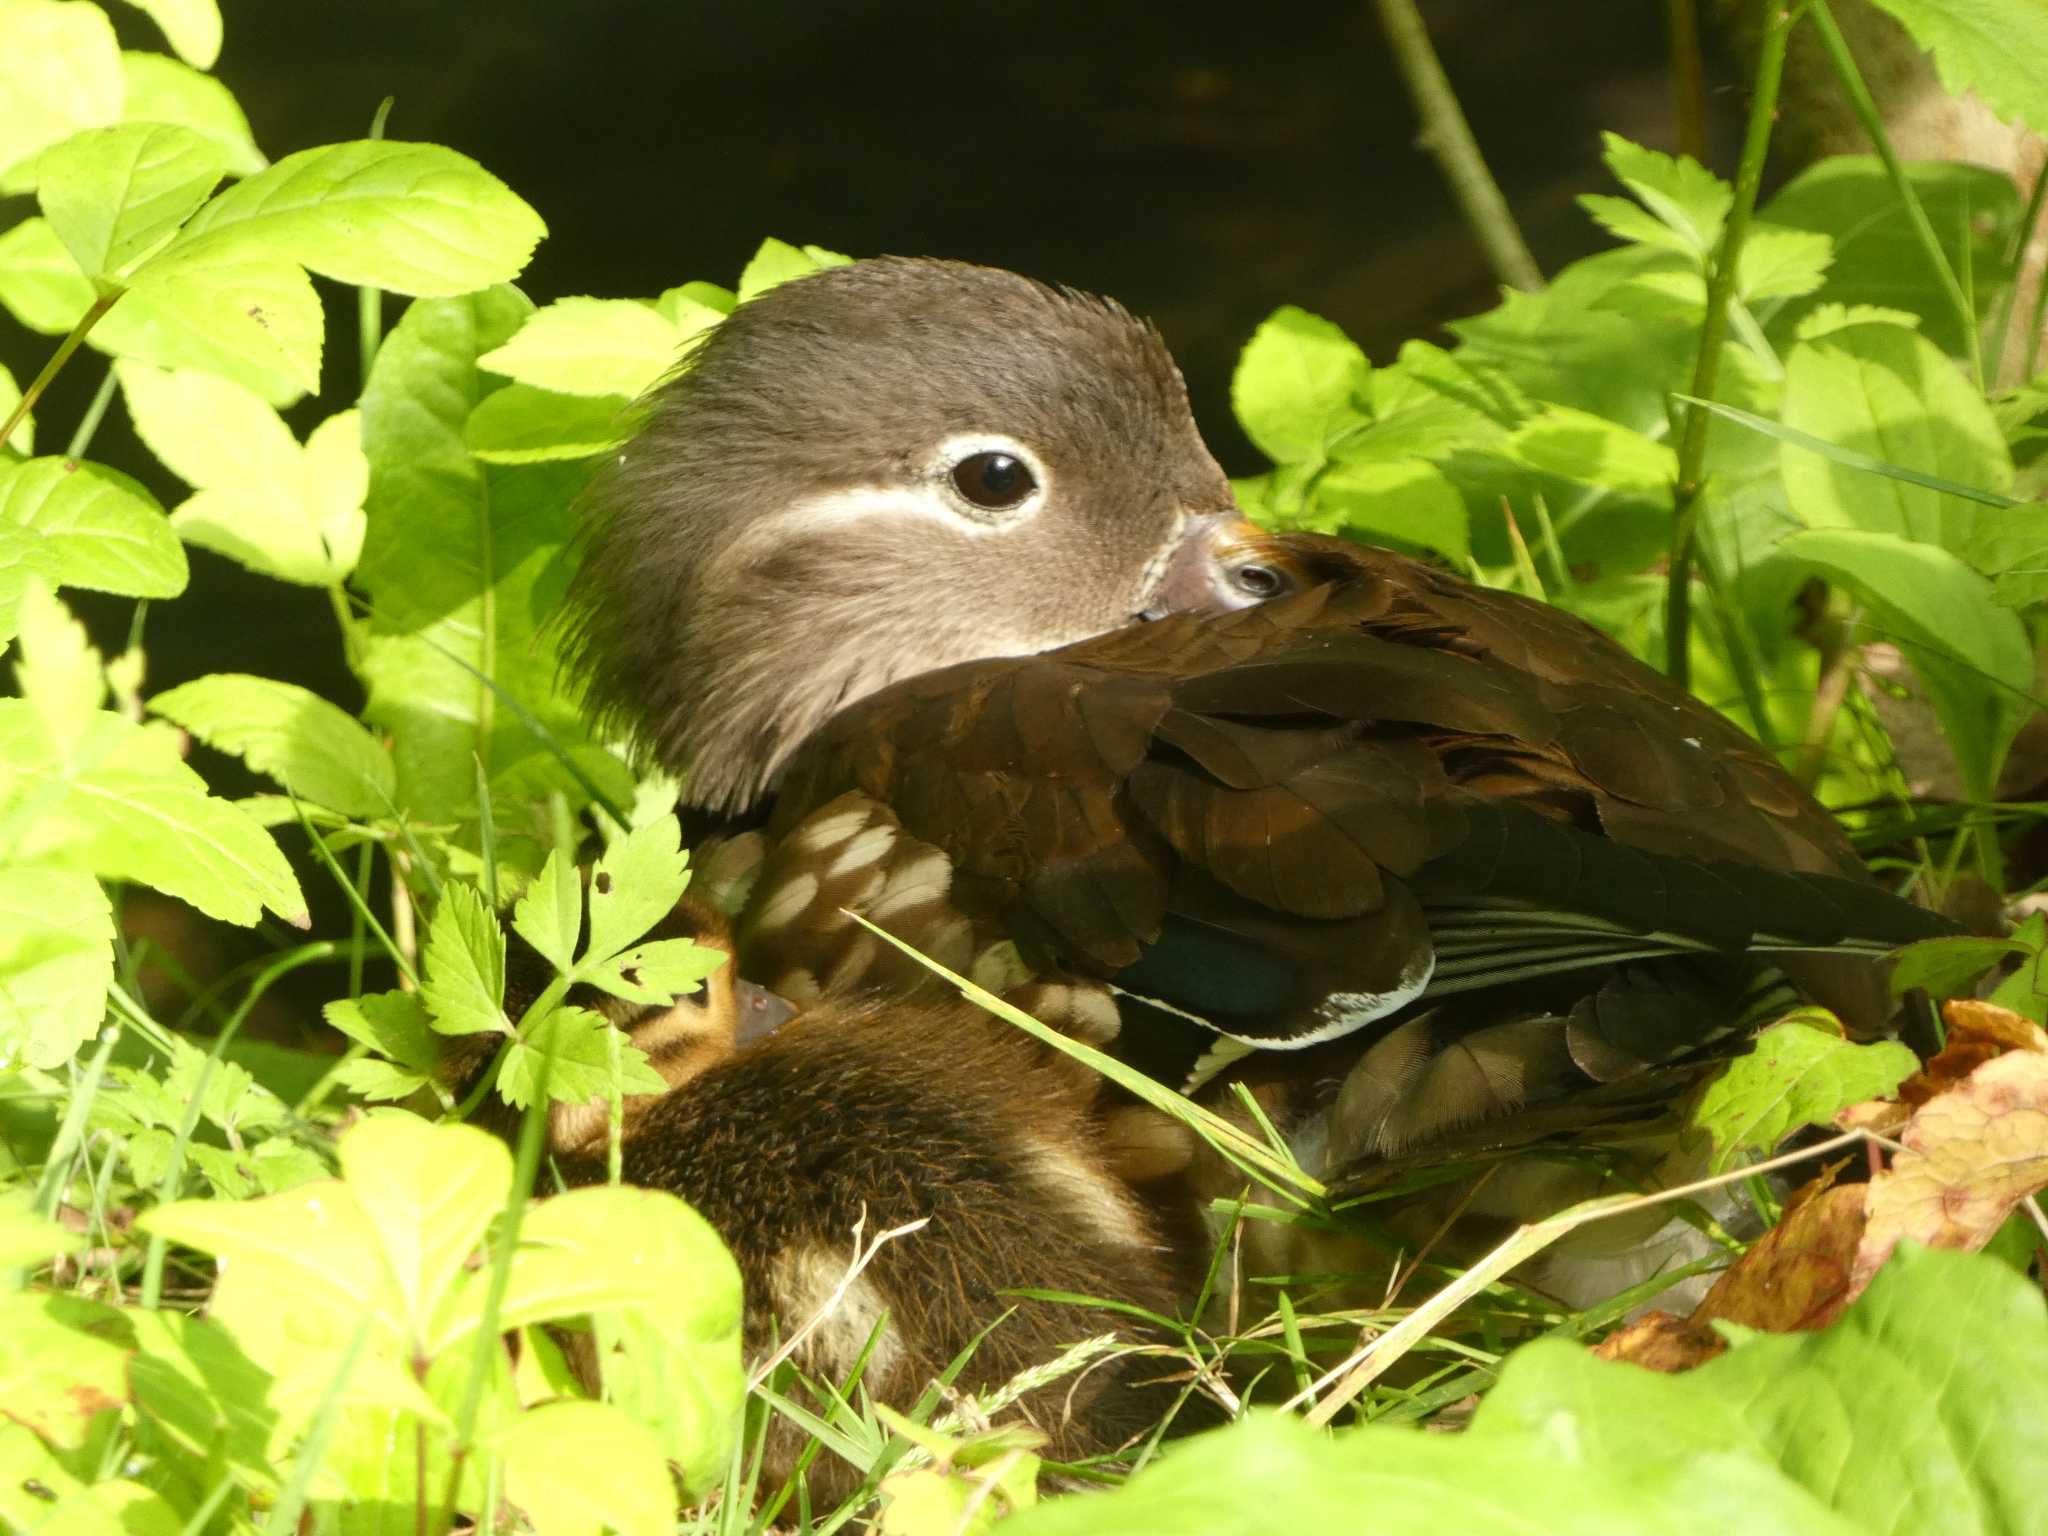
1203	162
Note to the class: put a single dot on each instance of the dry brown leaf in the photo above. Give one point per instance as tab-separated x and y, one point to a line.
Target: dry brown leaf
1798	1274
1977	1033
1662	1341
1970	1156
1880	1117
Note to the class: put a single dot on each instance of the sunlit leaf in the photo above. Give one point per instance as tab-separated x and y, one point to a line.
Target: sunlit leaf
162	90
1801	1071
62	74
1298	379
312	747
191	27
102	529
112	195
581	346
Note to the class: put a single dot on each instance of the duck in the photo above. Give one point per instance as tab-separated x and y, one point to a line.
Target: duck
804	1134
921	578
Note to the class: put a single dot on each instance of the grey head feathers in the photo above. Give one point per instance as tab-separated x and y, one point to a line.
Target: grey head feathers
786	531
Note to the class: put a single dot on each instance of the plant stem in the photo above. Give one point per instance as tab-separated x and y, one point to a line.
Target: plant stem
1448	137
89	423
1864	105
55	365
369	297
1692	452
1688	84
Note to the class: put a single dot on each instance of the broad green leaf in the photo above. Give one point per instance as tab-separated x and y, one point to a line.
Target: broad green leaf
413	218
1945	967
637	882
582	346
207	430
1779	263
1924	1408
2025	991
429	1191
462	562
162	90
195	1385
316	750
39	282
1802	1071
55	667
696	306
582	1044
1299	379
549	914
777	261
191	27
1997	49
1973	655
1878	256
465	960
1632	221
393	1024
113	195
23	440
56	962
581	1469
62	73
102	528
2010	545
39	1494
379	1081
28	1240
1888	392
661	1287
63	1361
25	560
1686	197
243	313
523	425
654	973
1577	445
1400	498
122	803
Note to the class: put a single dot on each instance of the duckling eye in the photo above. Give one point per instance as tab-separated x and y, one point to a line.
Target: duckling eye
993	480
1260	582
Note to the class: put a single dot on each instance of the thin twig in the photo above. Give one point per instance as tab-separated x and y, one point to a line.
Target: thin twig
1448	137
70	344
863	1255
1692	452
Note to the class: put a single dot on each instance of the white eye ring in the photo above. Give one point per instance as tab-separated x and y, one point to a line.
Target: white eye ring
959	453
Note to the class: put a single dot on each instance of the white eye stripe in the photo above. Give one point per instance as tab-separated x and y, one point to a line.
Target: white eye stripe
928	503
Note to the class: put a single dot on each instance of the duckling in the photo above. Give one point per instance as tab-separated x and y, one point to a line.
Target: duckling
791	1130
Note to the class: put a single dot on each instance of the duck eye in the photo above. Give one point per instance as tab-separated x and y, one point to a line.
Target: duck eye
1259	582
993	480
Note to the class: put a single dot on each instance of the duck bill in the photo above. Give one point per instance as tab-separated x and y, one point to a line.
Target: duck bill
1206	571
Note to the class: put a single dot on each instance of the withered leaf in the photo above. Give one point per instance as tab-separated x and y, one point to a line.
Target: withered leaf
1797	1275
1662	1341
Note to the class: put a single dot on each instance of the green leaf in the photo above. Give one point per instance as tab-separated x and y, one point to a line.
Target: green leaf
2025	991
523	425
162	90
194	1384
39	282
23	442
25	561
1972	655
103	530
1782	263
244	314
63	1361
207	430
636	884
1889	393
1801	1071
1945	967
191	27
56	668
1687	199
583	346
113	195
576	1469
1399	498
462	562
582	1044
465	958
316	750
412	218
63	73
660	1285
1633	222
1997	49
394	1024
1878	256
777	261
1577	445
56	963
654	973
122	803
549	915
1298	380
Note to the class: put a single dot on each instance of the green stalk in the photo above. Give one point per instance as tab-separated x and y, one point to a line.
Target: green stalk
1864	105
1448	137
70	344
89	423
1692	453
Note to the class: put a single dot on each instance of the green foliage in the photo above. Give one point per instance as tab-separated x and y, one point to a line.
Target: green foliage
1857	484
